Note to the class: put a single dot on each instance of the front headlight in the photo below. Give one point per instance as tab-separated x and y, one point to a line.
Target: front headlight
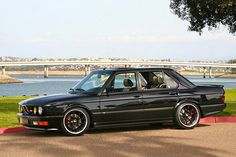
40	110
35	110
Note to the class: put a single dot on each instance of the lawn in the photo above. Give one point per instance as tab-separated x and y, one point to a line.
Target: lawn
230	98
9	108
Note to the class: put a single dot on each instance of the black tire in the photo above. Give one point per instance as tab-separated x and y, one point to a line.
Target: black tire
76	121
187	116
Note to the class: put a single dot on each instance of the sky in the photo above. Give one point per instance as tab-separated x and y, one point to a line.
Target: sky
139	29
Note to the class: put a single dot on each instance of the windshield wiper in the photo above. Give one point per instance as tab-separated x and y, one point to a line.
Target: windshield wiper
77	90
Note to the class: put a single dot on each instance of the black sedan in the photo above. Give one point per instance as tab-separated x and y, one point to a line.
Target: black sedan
124	96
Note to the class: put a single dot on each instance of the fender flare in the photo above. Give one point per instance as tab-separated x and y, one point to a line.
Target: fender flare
74	105
186	101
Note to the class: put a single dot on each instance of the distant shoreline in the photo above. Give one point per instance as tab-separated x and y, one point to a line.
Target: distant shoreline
82	73
196	73
5	79
52	73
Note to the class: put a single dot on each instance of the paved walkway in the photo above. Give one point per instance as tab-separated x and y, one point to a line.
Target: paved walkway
206	140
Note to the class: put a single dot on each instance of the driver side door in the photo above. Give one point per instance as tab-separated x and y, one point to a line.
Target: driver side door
123	103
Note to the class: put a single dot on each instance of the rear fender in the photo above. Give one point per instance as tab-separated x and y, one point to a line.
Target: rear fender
187	101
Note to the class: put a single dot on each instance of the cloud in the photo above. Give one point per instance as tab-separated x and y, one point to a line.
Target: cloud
35	40
162	39
72	39
41	38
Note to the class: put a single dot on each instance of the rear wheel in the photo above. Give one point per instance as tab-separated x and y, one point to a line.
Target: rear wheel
187	116
76	121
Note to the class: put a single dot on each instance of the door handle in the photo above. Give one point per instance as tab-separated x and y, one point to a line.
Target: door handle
110	106
173	93
137	96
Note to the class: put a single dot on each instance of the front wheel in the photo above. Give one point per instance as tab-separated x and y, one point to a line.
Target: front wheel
76	121
187	116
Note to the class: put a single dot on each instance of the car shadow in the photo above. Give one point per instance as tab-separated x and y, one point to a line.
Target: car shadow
104	130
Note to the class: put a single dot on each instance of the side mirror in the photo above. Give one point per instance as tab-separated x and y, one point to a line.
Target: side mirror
108	90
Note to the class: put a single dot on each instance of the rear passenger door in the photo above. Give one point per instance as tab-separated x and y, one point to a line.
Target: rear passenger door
159	95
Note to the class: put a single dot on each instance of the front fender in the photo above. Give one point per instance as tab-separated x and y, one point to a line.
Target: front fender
70	106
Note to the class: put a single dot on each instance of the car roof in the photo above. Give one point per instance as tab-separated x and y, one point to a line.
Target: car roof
185	82
135	69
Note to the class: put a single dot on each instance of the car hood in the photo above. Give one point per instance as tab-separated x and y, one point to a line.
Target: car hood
43	100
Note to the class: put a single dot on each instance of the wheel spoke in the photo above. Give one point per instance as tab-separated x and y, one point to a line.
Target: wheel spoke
188	115
75	121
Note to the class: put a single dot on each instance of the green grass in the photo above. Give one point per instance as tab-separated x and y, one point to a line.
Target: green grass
230	98
9	108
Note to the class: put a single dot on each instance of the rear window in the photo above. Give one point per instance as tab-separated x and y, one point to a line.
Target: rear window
184	81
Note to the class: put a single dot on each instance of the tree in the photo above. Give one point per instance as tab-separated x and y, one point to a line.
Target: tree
206	13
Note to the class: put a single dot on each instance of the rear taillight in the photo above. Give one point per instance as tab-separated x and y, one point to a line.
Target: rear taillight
222	98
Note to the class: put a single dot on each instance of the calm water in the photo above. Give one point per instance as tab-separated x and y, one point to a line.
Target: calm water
34	85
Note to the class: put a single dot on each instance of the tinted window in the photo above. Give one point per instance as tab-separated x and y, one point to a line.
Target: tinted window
157	80
124	82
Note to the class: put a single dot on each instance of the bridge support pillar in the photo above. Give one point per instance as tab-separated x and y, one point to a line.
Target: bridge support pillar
3	70
210	72
45	71
227	70
87	69
204	72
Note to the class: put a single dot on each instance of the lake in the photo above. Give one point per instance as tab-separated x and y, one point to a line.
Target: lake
37	85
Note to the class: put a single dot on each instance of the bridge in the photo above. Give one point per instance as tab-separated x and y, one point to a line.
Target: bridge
87	64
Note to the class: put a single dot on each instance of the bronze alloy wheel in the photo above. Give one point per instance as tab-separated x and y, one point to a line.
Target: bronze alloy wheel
187	115
76	121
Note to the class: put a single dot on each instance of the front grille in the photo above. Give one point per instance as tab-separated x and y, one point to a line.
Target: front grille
27	110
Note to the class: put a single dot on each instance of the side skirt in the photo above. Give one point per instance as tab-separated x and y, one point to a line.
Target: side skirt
131	123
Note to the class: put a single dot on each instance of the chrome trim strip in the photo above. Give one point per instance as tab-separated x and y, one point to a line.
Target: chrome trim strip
212	105
41	129
136	110
40	117
158	109
211	113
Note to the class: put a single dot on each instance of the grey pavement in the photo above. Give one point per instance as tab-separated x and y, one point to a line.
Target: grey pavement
206	140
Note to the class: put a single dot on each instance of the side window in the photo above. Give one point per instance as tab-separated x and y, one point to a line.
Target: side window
159	80
124	82
169	82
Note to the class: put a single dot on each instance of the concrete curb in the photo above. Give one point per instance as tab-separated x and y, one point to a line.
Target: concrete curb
224	119
13	130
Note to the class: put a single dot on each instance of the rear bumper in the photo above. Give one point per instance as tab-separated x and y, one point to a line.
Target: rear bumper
208	110
33	122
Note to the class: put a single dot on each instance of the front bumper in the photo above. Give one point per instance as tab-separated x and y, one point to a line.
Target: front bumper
40	122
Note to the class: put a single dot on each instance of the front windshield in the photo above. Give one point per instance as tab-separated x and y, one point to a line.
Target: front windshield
93	82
